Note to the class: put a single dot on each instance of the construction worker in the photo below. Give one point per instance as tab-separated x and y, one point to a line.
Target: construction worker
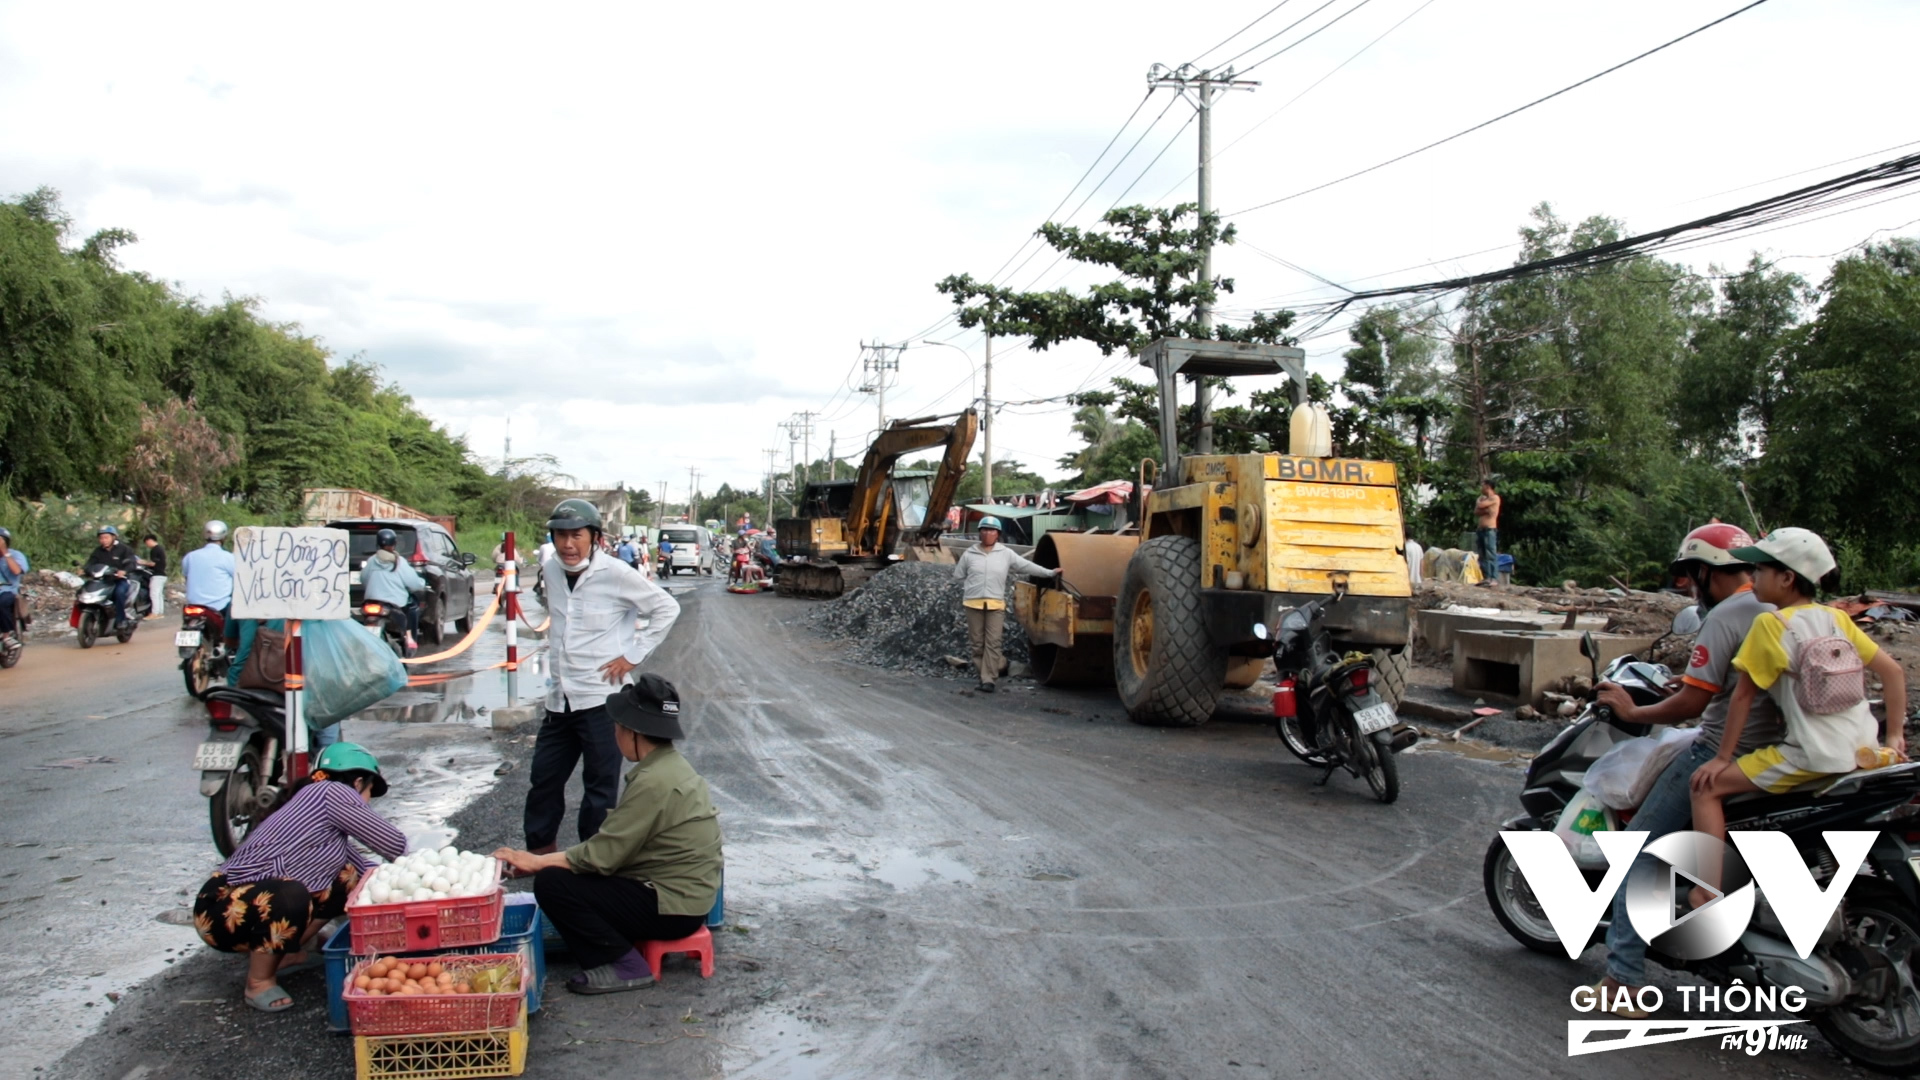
982	572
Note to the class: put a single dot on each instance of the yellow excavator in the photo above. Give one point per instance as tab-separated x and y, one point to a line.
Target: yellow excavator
848	530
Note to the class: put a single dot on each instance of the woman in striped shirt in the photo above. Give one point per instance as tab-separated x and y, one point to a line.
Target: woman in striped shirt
293	872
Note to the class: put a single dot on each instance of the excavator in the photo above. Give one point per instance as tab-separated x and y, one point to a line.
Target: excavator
849	530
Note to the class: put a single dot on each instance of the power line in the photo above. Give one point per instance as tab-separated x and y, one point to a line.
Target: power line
1276	36
1502	116
1290	46
1242	30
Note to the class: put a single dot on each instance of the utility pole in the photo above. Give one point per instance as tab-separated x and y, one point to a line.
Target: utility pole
802	422
693	484
833	462
506	455
877	366
660	508
1203	83
770	452
986	430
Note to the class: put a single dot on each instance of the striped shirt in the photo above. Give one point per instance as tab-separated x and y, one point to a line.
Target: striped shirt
306	840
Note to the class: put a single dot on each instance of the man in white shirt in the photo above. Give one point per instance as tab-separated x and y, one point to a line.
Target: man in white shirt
594	601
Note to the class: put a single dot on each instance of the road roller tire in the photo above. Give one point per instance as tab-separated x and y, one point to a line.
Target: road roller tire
1085	664
1168	671
1390	668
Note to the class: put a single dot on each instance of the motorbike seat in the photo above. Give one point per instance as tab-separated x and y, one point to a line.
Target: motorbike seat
249	698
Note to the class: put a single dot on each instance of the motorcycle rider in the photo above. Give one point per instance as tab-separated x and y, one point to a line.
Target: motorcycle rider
1724	585
116	555
13	565
209	573
391	580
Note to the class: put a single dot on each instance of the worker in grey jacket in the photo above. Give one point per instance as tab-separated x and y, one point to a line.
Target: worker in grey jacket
982	572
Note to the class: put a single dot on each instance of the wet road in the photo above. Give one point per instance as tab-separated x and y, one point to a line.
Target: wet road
926	882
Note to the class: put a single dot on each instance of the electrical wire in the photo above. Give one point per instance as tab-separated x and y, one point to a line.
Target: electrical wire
1237	33
1290	46
1510	112
1263	42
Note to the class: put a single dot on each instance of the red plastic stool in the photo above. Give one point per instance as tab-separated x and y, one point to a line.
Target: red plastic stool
699	943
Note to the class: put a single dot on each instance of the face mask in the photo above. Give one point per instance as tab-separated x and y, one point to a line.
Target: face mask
574	568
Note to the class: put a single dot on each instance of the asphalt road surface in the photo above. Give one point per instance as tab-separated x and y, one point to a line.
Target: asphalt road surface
921	881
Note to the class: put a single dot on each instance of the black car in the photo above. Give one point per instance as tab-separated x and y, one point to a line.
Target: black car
434	554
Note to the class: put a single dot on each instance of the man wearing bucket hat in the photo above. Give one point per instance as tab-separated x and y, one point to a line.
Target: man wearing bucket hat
982	571
652	872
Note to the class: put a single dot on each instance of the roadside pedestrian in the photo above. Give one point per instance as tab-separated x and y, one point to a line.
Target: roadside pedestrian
1486	533
156	564
982	571
292	873
594	602
1415	553
652	872
13	566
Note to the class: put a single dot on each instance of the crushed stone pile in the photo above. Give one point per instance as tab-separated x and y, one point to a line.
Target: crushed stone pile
908	616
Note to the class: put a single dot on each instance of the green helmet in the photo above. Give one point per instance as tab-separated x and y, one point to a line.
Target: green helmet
351	757
574	514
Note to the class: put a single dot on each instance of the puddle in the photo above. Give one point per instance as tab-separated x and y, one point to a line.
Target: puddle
904	869
771	1045
469	699
1471	748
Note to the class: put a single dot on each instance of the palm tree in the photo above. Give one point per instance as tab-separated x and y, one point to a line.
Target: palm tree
1095	425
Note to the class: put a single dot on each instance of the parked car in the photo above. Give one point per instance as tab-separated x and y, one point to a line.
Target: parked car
692	548
432	551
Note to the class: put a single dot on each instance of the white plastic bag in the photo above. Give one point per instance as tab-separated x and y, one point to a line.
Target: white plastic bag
1583	817
1623	775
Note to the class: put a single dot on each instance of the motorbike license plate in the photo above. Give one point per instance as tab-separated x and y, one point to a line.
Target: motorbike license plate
353	577
1374	718
187	639
217	756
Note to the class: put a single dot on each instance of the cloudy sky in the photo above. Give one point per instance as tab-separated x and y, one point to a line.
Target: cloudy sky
650	233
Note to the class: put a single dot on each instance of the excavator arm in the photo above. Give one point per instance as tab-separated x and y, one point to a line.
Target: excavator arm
867	519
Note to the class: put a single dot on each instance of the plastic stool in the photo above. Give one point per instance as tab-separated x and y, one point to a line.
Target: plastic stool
699	943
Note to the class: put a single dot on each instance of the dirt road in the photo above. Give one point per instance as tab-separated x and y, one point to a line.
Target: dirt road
927	882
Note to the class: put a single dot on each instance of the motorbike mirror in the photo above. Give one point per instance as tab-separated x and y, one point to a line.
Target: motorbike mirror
1260	630
1591	650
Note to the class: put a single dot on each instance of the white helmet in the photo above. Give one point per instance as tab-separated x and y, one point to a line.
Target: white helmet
216	531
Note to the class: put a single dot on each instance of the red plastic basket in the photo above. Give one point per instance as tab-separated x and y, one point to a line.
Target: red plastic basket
433	1014
421	925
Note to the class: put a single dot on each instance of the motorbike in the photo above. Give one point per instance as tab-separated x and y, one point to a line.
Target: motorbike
1859	980
242	773
1327	707
202	644
389	622
93	605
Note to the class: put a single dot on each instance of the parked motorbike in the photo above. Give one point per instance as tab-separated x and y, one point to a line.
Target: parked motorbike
202	644
389	622
1326	707
241	771
1860	980
93	605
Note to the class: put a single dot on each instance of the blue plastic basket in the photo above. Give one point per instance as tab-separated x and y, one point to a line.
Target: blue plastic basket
521	931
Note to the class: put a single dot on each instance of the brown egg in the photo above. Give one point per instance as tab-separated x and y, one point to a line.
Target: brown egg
462	988
417	971
362	982
435	969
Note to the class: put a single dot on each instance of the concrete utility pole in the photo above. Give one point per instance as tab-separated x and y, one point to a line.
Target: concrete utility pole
506	455
1203	83
875	363
802	422
660	508
833	463
770	452
693	484
986	430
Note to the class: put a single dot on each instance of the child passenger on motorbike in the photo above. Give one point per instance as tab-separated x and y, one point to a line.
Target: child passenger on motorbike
1792	563
1724	585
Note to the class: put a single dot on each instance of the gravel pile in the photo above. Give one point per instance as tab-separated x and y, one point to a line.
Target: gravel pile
908	616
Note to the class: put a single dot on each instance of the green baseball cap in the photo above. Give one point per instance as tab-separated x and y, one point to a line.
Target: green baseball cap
349	757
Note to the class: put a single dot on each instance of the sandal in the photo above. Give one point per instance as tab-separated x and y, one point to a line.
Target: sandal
605	980
270	1000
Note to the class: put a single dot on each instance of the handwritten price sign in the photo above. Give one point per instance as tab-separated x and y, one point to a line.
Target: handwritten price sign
281	573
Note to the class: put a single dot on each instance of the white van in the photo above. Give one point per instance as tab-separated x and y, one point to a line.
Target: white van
692	548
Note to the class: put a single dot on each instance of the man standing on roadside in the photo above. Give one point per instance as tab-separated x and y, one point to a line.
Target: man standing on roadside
594	601
156	564
1486	533
982	572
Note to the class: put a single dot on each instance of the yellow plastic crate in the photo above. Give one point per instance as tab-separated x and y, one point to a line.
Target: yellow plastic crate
442	1057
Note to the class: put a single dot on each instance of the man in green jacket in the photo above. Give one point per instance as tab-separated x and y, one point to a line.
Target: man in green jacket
652	872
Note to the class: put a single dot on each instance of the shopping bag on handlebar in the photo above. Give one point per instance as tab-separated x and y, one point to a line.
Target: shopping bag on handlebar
1623	775
347	668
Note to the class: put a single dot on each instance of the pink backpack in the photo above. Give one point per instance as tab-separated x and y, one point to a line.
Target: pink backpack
1828	676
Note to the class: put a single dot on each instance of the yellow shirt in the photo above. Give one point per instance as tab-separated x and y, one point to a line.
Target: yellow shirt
984	604
1763	658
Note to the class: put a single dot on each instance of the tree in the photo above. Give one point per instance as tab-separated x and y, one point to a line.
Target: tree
172	459
1158	254
1729	379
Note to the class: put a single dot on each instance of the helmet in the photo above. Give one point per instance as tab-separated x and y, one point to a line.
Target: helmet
216	531
1713	544
4	534
574	514
351	757
386	538
107	530
991	523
